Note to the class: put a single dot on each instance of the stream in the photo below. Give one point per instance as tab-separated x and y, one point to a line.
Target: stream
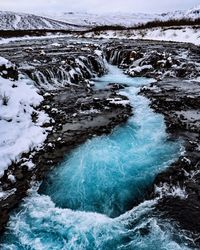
87	201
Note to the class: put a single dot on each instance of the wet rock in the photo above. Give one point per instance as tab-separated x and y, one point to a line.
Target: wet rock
153	59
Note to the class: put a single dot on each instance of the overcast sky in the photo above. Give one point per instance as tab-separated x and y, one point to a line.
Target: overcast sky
97	5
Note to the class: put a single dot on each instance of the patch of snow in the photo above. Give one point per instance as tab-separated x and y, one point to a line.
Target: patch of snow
12	178
56	44
18	133
98	52
138	69
5	62
29	164
118	101
90	111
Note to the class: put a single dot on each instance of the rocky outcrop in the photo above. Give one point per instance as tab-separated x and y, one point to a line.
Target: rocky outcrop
153	59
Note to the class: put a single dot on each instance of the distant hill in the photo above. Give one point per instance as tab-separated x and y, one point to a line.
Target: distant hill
73	21
121	19
21	21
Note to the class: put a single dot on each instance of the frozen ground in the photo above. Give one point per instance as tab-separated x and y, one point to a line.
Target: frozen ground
18	131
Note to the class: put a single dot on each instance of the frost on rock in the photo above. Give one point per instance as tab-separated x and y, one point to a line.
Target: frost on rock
18	132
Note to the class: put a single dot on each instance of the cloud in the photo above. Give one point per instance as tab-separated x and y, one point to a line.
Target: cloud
97	5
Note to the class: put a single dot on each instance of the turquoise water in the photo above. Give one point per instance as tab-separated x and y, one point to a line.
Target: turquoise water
86	202
107	173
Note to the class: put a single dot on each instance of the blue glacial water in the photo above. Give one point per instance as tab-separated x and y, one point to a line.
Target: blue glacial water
86	202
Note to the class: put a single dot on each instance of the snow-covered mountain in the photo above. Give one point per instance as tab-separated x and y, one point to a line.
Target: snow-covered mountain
193	13
91	20
81	20
22	21
123	19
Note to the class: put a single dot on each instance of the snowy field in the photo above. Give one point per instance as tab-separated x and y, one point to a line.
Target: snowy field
184	34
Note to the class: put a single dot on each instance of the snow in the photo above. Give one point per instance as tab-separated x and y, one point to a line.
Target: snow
22	21
5	62
118	101
138	69
12	178
121	102
18	133
94	19
98	52
90	111
185	34
83	20
56	44
15	39
122	19
182	34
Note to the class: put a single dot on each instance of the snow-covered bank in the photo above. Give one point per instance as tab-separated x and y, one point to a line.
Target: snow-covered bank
185	34
175	34
20	122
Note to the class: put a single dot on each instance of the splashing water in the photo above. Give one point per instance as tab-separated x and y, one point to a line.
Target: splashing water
86	198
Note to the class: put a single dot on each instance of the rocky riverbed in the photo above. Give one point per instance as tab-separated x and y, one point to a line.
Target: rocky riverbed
61	70
176	95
